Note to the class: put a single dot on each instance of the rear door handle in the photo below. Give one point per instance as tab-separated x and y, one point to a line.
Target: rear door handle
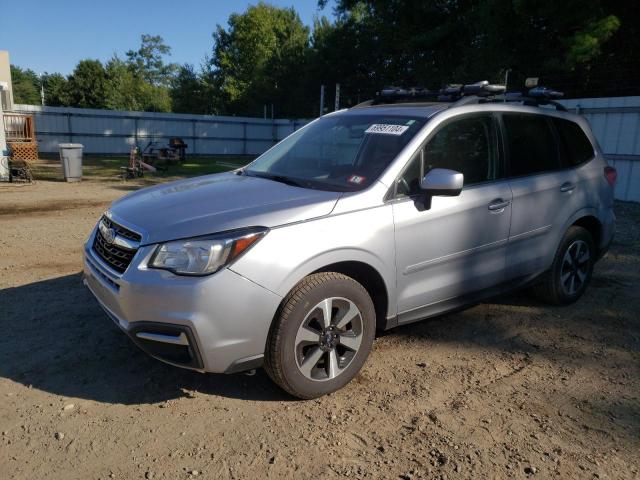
567	187
498	204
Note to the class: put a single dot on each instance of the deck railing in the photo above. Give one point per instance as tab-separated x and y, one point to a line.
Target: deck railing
19	127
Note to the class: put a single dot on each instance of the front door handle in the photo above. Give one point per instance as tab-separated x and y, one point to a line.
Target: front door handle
498	204
567	187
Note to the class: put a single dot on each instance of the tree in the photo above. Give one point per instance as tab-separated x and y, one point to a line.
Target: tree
435	42
56	90
148	60
26	86
123	86
88	85
260	59
191	91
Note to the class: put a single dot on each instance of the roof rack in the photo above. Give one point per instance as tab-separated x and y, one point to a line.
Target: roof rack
474	93
539	96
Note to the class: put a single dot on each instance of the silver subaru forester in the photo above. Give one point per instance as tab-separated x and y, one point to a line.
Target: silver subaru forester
362	220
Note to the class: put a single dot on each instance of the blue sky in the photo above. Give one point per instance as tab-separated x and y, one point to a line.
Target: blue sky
52	35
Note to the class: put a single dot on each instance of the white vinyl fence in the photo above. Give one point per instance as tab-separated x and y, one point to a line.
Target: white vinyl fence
615	123
115	132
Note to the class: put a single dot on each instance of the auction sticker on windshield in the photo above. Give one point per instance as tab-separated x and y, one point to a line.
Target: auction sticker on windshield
387	129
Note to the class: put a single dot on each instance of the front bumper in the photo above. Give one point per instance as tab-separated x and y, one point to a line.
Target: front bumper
218	323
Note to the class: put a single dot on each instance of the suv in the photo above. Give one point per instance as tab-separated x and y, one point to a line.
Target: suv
362	220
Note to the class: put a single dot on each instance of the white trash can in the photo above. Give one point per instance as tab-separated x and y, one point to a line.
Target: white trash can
71	160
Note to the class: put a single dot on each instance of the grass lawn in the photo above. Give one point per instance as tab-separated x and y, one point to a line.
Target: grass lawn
105	167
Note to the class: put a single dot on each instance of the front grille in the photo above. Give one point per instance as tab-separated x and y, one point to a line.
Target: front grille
117	257
121	231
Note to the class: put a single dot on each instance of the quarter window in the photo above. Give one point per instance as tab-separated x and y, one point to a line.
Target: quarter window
531	144
467	145
576	147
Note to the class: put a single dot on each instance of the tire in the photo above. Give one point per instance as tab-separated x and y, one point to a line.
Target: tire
309	358
570	264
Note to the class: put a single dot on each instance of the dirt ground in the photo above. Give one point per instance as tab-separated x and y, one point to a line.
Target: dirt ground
506	389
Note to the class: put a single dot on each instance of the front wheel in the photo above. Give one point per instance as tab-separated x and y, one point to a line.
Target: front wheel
322	336
571	271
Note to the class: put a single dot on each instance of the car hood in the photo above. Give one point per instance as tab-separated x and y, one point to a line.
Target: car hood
215	203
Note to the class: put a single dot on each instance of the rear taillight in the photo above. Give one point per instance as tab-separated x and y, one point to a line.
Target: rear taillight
611	174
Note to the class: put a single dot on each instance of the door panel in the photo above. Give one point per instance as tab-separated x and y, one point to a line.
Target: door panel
454	248
545	195
540	209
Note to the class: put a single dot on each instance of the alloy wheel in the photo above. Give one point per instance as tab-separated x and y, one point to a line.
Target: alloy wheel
575	267
328	338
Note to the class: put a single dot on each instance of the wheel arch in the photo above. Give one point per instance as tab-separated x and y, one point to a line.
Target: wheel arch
592	225
362	272
370	279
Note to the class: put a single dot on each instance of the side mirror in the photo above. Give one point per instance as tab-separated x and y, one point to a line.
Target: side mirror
441	182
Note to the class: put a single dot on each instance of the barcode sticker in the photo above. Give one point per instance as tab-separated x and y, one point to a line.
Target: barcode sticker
386	129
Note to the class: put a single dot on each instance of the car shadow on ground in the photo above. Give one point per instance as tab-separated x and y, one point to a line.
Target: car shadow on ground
56	338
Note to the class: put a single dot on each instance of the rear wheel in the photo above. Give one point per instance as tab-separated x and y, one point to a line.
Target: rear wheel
322	336
571	271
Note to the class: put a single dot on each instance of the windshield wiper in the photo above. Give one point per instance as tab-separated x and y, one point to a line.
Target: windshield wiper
278	178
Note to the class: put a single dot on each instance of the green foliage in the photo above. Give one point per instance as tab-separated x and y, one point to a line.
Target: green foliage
26	86
433	42
128	90
192	91
56	90
586	44
258	60
123	86
148	60
88	85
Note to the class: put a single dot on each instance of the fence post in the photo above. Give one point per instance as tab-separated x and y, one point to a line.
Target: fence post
69	130
244	138
274	131
5	173
193	135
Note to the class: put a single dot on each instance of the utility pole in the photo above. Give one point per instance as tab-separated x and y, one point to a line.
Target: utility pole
321	100
4	153
337	104
41	90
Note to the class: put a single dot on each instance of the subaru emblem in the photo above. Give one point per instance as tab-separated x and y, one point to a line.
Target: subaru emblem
109	235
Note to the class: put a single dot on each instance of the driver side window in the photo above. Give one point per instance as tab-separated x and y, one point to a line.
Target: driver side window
467	145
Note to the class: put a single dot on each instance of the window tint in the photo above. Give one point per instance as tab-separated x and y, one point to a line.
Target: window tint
467	145
576	147
531	144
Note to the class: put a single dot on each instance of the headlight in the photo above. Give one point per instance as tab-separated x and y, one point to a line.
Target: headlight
205	255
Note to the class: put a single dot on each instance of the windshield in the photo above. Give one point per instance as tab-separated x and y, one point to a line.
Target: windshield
340	153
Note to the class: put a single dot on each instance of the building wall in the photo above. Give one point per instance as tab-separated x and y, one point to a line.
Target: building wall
6	97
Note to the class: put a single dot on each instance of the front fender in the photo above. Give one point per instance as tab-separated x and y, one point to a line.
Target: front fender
288	254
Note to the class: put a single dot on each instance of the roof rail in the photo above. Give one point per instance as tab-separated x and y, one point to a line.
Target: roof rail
449	93
539	96
474	93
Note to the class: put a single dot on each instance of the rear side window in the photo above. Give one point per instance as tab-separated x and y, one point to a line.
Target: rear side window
531	144
576	147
